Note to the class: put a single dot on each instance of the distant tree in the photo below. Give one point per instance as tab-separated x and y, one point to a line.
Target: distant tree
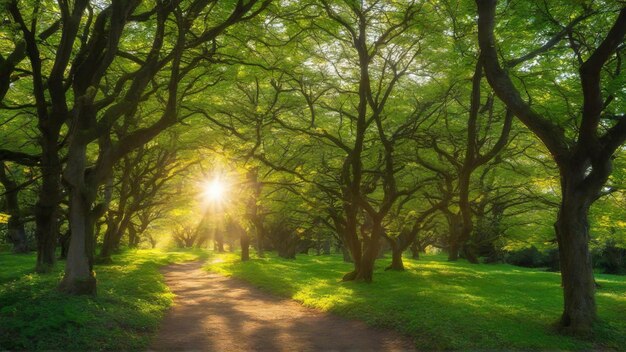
15	225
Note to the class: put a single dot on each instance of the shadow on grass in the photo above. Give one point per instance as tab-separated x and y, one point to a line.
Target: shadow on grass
15	266
442	305
131	301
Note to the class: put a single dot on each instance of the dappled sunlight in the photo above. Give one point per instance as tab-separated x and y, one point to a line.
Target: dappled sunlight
131	301
505	306
298	144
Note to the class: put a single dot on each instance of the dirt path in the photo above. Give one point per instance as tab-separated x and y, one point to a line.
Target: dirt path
216	313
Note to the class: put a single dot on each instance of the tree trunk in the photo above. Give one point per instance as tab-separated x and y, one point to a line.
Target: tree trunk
47	206
108	242
133	236
112	242
260	238
469	252
454	223
326	246
15	226
466	225
365	269
351	241
64	242
245	246
17	235
396	257
572	230
415	251
79	278
219	242
381	249
346	254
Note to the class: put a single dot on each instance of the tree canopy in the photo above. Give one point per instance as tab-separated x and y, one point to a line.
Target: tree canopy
478	128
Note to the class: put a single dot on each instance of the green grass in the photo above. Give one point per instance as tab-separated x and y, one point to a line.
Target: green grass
131	301
442	305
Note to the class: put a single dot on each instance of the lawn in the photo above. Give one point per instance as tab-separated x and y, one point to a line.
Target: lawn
442	305
131	302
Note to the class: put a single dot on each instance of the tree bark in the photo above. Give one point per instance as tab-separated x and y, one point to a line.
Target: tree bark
365	268
572	230
351	240
454	242
108	242
79	278
245	246
133	236
415	251
47	206
260	238
584	163
346	254
396	257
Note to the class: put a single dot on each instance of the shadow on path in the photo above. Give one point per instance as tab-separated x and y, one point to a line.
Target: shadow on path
216	313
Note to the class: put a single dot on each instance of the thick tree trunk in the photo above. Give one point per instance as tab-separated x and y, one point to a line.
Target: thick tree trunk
365	269
287	250
453	251
396	257
47	206
355	250
466	224
572	229
351	241
17	235
79	278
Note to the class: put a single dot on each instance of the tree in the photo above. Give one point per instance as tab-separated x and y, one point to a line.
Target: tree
582	150
140	189
100	77
15	224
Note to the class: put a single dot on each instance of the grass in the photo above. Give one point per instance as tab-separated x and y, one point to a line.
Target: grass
442	305
131	301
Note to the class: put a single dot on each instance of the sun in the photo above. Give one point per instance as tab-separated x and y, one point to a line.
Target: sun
215	190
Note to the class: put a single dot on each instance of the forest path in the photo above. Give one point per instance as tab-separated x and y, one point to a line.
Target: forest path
217	313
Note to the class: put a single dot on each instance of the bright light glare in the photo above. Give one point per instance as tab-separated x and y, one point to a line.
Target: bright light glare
215	190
